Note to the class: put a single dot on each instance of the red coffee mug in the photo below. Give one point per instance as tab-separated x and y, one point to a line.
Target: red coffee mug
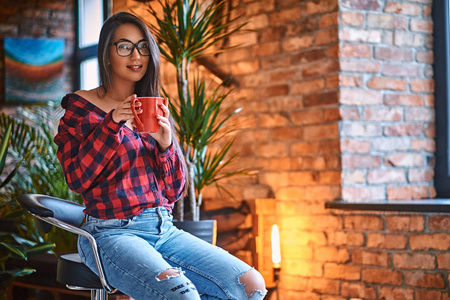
147	121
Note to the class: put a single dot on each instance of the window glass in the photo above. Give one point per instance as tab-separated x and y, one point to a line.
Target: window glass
90	22
89	77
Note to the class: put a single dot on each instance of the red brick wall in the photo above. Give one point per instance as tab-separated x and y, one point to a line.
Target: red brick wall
288	74
388	256
337	255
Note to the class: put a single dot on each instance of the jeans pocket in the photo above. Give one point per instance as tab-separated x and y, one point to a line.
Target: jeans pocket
95	226
113	224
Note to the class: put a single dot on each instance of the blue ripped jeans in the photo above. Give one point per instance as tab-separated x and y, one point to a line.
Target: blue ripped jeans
135	251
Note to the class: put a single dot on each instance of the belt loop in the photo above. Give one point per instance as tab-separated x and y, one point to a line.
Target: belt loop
161	220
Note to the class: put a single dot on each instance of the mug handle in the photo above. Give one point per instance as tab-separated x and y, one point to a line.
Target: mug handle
137	121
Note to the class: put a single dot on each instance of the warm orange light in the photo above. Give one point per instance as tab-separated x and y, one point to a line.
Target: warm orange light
276	253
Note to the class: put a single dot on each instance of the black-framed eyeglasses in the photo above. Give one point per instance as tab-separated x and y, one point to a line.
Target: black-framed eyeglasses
126	47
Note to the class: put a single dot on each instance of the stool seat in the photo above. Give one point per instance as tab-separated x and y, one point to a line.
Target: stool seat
71	271
50	211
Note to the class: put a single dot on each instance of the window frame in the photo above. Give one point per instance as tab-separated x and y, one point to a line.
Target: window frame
441	29
83	54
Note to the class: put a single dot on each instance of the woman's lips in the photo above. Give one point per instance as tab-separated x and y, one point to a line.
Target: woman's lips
135	68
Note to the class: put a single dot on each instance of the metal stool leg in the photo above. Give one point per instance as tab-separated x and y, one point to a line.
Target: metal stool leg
99	295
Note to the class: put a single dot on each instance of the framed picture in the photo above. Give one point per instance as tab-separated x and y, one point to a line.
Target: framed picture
33	70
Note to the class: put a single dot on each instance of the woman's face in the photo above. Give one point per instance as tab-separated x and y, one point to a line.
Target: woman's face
132	67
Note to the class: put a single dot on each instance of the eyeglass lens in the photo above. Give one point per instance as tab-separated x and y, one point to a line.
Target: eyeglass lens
126	48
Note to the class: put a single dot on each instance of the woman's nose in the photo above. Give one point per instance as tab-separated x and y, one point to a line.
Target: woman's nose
135	53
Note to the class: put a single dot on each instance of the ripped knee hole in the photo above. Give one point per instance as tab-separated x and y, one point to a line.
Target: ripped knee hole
253	282
169	273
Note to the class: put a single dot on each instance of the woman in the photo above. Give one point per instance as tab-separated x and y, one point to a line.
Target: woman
130	181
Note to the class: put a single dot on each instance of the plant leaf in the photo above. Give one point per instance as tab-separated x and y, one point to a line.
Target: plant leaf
4	148
40	249
17	251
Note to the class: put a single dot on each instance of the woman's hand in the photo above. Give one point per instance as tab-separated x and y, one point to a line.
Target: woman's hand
123	112
164	134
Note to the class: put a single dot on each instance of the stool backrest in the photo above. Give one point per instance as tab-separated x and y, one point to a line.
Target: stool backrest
47	206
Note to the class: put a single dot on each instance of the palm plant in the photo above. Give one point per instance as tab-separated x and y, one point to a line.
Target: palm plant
3	154
41	173
186	31
24	142
13	246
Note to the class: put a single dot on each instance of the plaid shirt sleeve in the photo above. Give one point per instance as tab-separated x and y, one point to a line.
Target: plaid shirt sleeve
86	142
171	167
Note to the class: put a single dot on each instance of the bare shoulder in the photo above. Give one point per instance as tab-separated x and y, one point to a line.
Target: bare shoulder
94	96
90	95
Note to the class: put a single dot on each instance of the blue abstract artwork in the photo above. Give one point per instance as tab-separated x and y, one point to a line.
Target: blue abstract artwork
33	69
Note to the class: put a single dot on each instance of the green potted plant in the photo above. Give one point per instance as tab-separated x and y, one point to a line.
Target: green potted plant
12	246
42	173
186	31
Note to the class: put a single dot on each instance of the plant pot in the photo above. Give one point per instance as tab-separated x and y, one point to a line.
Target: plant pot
203	229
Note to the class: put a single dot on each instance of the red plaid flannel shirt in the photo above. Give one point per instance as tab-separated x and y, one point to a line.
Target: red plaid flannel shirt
118	172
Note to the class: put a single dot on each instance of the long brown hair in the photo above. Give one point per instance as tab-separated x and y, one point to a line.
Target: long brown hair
150	83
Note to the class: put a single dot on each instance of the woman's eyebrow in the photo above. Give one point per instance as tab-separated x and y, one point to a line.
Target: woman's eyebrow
127	40
124	40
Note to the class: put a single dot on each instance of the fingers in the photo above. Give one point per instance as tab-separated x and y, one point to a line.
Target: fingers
123	111
164	119
137	107
129	98
163	122
164	134
137	104
164	107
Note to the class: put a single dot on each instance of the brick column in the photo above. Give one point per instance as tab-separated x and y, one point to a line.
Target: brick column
387	104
